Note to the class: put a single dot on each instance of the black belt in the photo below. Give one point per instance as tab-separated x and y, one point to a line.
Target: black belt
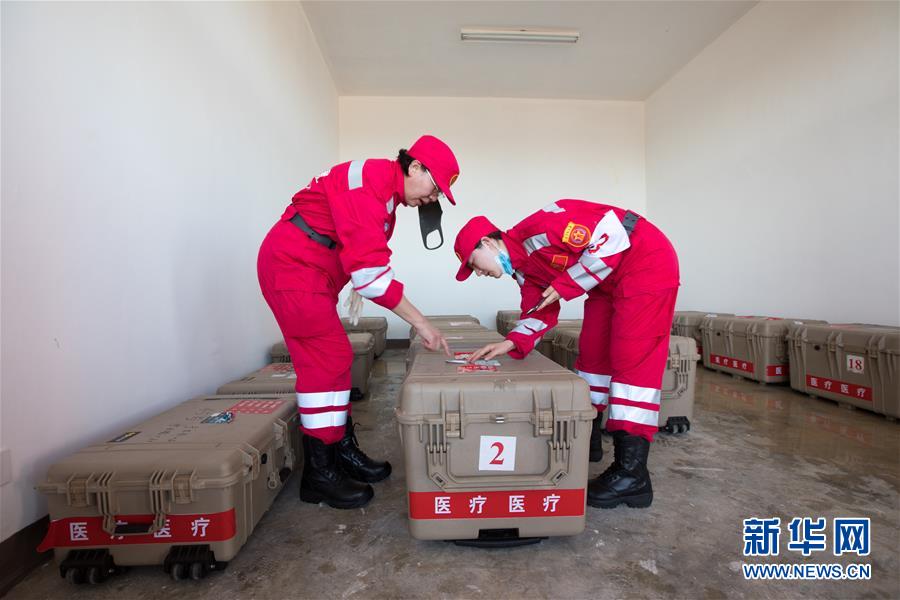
312	234
629	221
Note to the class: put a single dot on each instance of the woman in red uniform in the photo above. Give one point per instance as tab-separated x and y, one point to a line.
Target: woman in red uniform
629	271
336	231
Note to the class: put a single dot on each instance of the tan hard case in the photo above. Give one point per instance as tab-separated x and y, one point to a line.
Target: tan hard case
854	364
676	406
445	323
279	377
447	415
506	320
184	489
458	341
687	323
751	347
377	326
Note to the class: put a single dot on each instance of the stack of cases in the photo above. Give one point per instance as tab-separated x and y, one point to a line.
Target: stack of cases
686	323
676	407
494	455
279	377
377	326
853	364
183	490
545	346
507	319
750	347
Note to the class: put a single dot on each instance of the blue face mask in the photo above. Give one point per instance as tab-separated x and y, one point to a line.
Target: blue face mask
505	262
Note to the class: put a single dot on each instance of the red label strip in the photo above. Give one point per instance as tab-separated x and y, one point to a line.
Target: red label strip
747	366
496	505
73	532
731	363
850	390
257	407
777	370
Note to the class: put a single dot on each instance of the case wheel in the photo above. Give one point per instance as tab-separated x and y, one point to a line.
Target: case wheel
87	566
194	562
676	425
74	576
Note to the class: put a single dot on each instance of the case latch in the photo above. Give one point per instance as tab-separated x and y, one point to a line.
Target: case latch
77	491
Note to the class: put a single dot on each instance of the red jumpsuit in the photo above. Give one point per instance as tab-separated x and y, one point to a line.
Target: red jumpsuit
354	204
631	283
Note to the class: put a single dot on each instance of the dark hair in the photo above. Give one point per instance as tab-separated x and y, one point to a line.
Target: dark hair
405	160
494	235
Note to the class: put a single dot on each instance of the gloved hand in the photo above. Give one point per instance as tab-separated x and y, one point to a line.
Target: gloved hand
354	304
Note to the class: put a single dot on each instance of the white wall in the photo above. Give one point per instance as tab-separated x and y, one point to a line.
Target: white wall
147	148
515	157
772	162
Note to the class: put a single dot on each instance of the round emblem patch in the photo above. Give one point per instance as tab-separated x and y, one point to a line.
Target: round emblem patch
576	235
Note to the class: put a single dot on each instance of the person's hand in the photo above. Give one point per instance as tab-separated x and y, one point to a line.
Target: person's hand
550	296
491	350
432	338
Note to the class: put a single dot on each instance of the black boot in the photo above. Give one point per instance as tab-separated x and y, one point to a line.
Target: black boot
324	481
627	479
596	451
355	462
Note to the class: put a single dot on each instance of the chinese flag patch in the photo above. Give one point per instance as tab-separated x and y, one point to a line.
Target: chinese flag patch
576	235
559	262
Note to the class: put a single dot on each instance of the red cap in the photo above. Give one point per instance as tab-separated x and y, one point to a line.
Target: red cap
466	241
438	158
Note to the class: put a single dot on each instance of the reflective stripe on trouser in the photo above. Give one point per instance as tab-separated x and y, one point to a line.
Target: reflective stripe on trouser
322	411
628	337
319	348
634	404
323	366
599	388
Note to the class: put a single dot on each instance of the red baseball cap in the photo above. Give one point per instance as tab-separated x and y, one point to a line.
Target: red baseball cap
438	158
467	239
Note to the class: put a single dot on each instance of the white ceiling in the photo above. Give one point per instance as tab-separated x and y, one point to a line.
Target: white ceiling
627	50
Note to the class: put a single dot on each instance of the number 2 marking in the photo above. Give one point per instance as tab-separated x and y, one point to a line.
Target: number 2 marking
497	460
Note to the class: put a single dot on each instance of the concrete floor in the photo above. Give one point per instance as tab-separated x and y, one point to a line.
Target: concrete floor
754	451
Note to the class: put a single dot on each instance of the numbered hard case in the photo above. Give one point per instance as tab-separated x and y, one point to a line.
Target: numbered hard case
854	364
494	454
184	489
752	347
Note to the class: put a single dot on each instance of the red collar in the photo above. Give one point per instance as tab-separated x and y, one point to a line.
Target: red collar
517	255
399	183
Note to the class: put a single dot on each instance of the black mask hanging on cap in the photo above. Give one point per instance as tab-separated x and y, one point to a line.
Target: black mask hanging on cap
430	221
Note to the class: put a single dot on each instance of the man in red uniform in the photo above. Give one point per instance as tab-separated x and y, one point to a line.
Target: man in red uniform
336	231
629	271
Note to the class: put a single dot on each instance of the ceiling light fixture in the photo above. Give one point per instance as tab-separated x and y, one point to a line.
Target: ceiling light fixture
518	34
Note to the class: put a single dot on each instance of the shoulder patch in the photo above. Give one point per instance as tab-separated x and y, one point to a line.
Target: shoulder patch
559	262
576	235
